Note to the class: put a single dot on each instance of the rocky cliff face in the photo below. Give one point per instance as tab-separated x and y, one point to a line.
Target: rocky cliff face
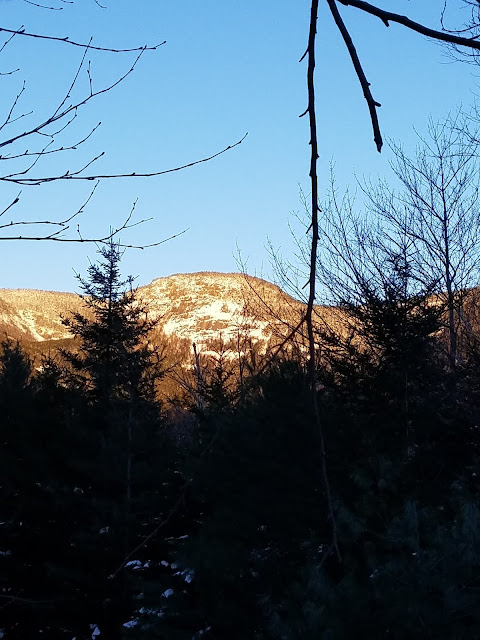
201	307
198	307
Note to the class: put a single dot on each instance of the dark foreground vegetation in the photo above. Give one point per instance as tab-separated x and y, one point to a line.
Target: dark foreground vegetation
122	516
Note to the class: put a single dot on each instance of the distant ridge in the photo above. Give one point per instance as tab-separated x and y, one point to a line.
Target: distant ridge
198	307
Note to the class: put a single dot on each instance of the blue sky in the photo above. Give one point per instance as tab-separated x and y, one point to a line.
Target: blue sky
227	68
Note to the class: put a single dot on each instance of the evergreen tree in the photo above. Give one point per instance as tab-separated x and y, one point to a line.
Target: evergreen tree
115	361
37	503
258	500
116	369
85	465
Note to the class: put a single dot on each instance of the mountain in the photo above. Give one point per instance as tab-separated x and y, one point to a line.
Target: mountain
35	316
198	307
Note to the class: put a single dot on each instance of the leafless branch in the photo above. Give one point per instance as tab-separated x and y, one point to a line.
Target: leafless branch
278	348
372	104
43	6
59	223
448	36
75	175
62	227
75	78
59	120
8	40
313	263
8	119
60	113
14	202
71	147
9	73
388	16
467	29
56	237
66	40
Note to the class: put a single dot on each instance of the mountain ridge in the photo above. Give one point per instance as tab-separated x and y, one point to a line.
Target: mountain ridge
199	307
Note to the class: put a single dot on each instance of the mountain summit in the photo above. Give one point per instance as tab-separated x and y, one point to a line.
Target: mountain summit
198	307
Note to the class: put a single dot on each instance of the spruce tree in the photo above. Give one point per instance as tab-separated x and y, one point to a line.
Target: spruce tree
124	452
115	361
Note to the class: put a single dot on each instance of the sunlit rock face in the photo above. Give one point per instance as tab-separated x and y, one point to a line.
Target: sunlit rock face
201	307
198	307
34	315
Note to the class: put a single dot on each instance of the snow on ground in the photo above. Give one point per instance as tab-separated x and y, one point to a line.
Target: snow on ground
27	321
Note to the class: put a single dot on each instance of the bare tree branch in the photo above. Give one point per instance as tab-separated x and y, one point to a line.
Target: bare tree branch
75	175
372	104
71	109
14	202
447	36
59	120
9	73
66	40
468	28
8	40
43	6
44	152
9	119
313	262
61	227
55	237
388	16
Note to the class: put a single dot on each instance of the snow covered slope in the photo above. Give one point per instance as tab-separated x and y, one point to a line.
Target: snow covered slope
199	307
35	315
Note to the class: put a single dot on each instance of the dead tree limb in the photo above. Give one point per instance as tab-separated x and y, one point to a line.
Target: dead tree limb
388	16
372	104
447	36
313	262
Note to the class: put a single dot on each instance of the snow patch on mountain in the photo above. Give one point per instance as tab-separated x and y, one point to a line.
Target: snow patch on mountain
198	307
29	322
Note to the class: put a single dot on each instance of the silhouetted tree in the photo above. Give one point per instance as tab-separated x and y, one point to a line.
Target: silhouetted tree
38	504
437	209
116	368
87	467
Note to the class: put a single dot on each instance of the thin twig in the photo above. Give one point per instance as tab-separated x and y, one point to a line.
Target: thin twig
14	201
43	6
66	40
59	115
70	147
74	175
103	240
9	40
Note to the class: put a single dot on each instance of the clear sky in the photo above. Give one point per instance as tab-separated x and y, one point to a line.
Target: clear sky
228	67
